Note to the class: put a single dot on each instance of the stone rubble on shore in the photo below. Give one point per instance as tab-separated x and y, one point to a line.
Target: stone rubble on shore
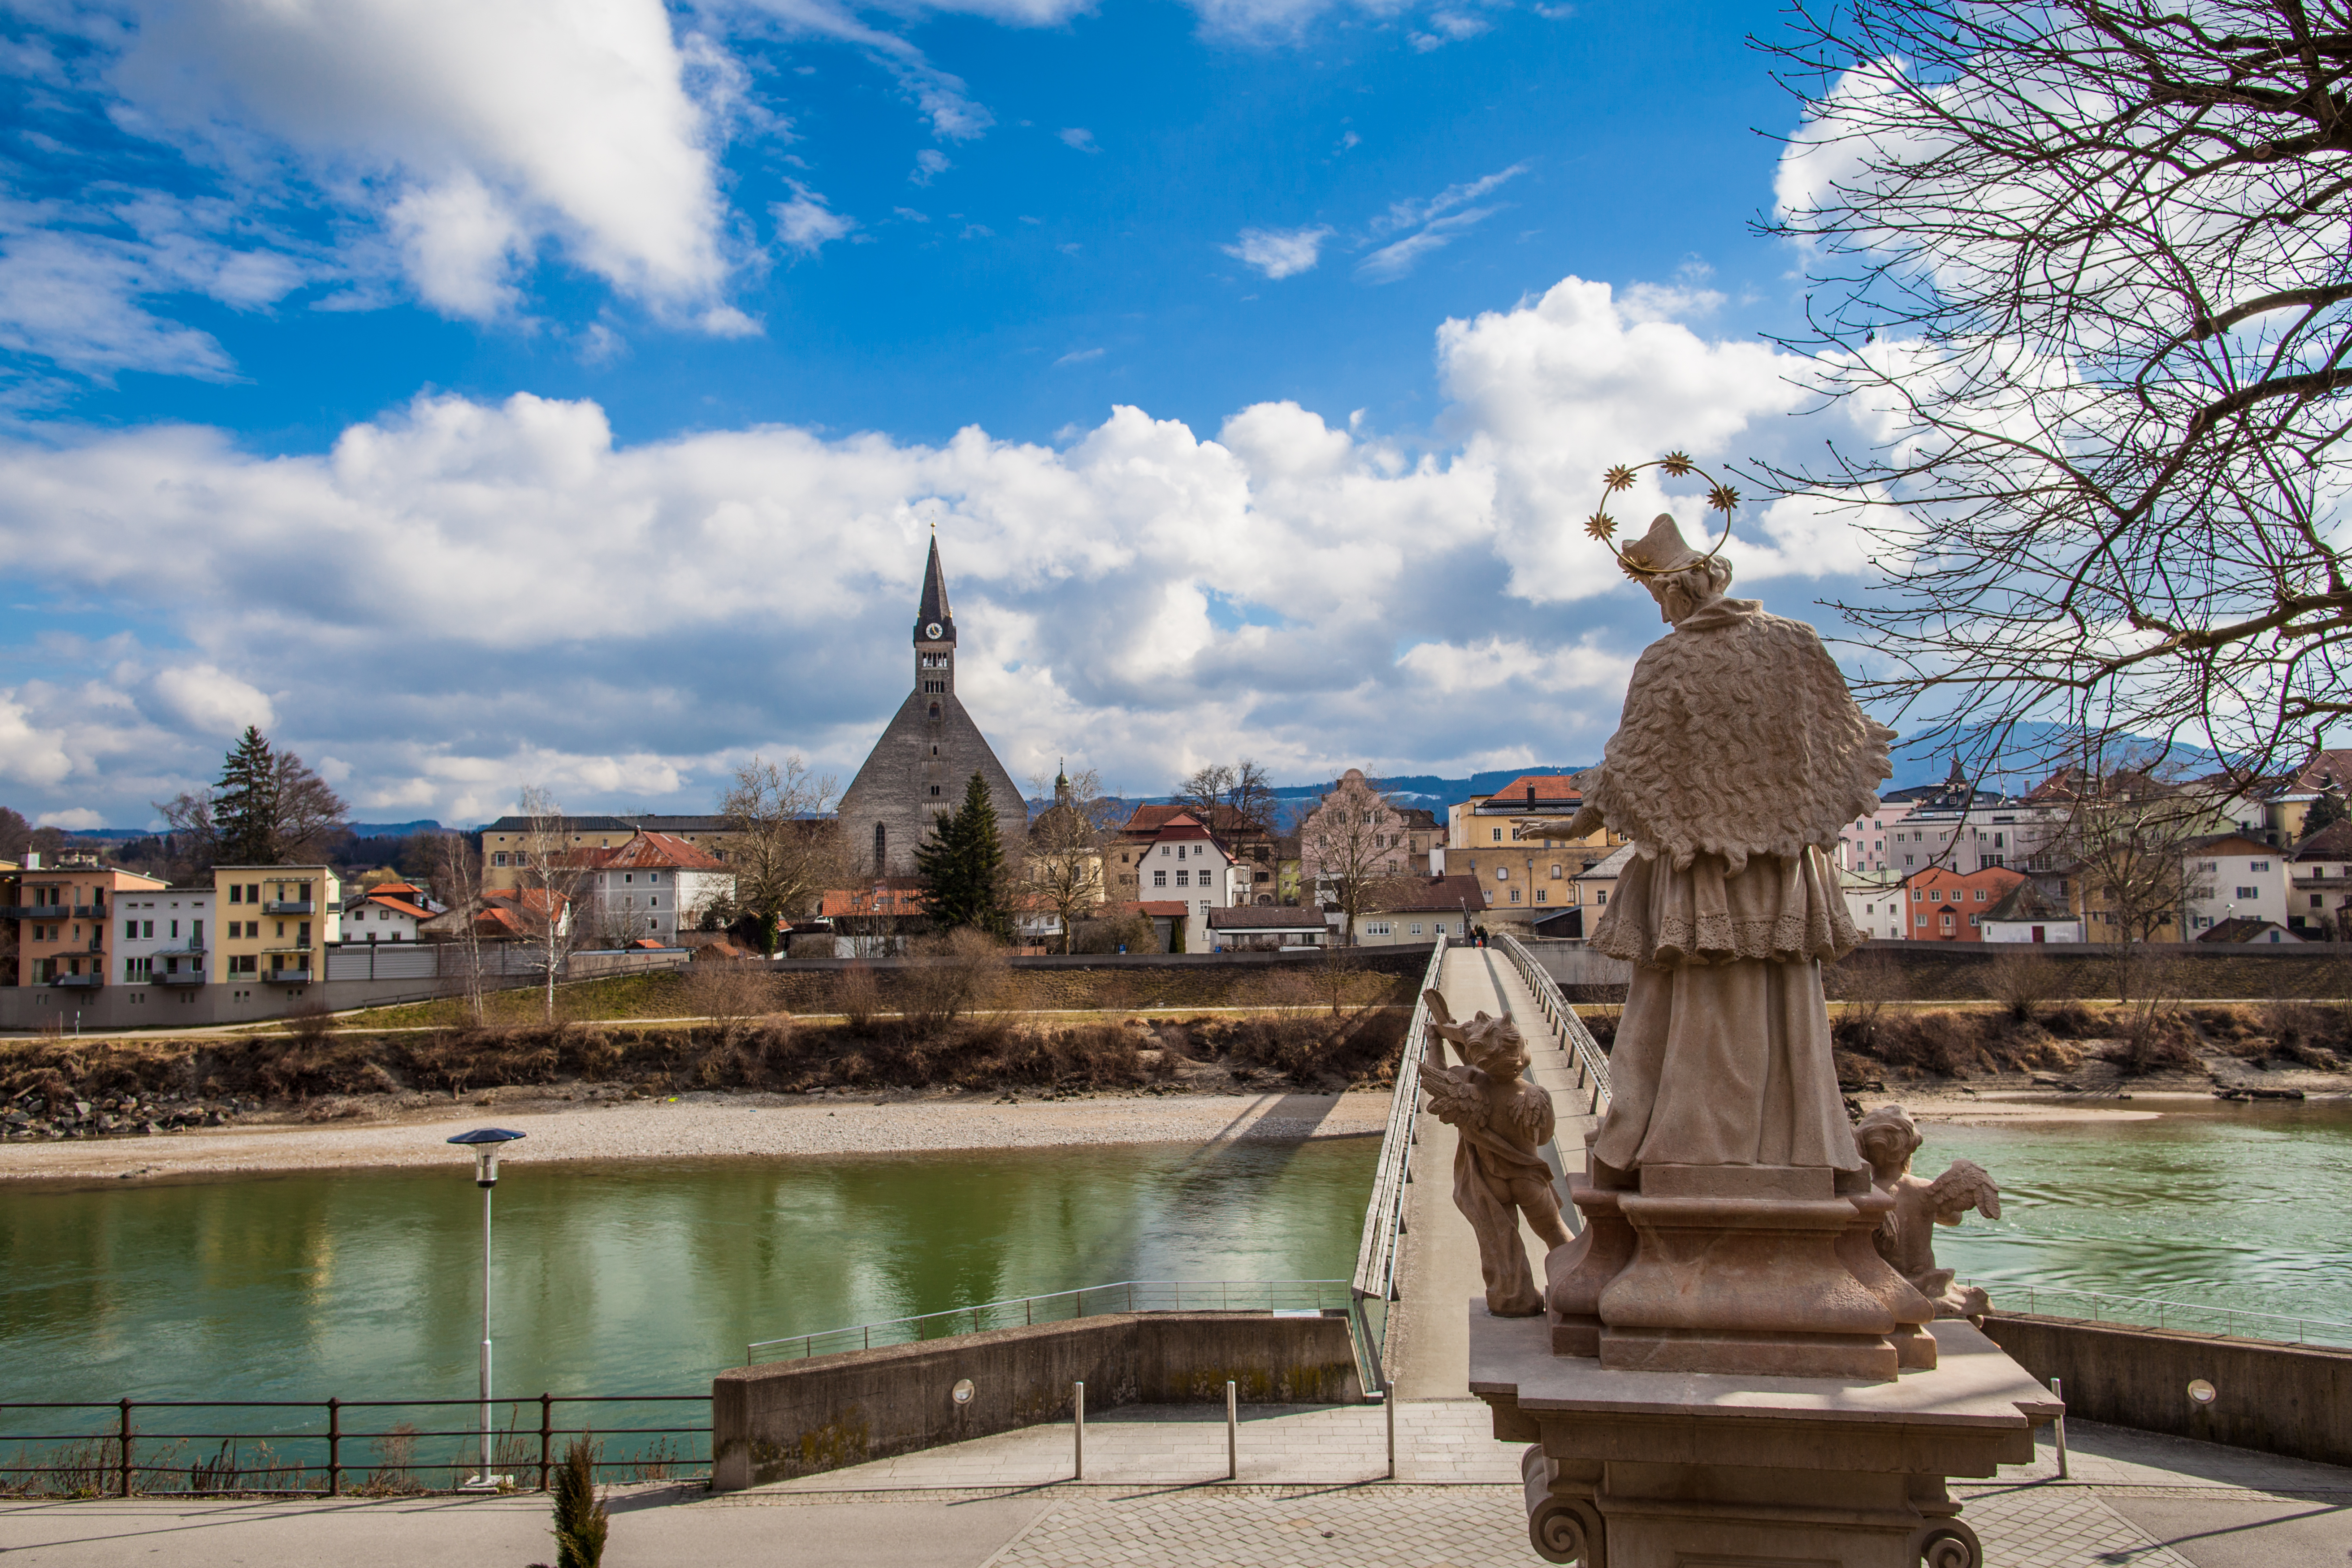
33	1114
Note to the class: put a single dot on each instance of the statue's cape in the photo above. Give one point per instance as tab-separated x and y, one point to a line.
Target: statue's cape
1740	738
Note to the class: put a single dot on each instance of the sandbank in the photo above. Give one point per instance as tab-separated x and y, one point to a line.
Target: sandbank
704	1126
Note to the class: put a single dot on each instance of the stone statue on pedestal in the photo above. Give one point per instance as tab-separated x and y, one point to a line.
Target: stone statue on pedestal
1906	1237
1501	1120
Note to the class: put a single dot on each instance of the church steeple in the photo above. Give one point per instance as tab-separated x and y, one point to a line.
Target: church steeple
934	622
934	634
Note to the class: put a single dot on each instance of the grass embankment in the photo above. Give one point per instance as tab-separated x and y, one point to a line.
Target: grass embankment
324	1073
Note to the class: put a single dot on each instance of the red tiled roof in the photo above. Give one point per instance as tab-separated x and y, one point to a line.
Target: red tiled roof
892	896
1146	820
400	906
1169	909
1548	787
657	850
1451	891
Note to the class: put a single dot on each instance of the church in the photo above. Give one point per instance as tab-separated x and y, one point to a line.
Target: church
917	771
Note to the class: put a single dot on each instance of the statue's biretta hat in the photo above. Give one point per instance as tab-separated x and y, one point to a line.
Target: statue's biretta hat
1663	550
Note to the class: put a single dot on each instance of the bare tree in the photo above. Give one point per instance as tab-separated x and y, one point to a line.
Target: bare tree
459	868
1230	797
1351	845
1061	868
785	851
2082	263
2125	838
553	871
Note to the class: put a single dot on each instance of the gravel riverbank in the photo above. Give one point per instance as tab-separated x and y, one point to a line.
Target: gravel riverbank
703	1126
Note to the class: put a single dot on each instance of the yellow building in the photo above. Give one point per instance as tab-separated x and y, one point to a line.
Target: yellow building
274	923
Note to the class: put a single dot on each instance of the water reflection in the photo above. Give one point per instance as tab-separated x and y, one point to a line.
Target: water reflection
643	1278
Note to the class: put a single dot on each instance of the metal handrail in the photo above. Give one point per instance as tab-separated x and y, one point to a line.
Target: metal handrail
1589	1057
2329	1331
1375	1252
116	1458
1132	1295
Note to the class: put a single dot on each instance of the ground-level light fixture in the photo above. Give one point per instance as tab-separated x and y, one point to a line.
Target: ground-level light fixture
485	1142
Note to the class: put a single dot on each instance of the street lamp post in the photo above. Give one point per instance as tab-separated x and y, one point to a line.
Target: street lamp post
485	1142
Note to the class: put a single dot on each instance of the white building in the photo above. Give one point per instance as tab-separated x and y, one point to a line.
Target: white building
164	935
1861	843
1183	863
2233	878
1874	902
654	886
2319	893
389	911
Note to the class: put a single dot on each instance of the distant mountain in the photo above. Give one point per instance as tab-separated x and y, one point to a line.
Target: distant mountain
358	830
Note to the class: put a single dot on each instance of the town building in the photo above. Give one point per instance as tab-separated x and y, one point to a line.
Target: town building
2249	928
389	911
63	913
505	841
1420	910
1252	927
1522	876
875	919
1875	901
2025	913
1249	840
276	922
2232	877
1185	864
1863	843
164	935
918	769
652	887
2319	887
1951	906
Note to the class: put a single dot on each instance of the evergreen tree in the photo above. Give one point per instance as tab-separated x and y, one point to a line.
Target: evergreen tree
2325	812
962	865
244	803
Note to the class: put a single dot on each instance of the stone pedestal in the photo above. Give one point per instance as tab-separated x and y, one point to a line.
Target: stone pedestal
1662	1469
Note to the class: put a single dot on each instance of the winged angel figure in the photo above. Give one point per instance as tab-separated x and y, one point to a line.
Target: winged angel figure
1501	1120
1906	1237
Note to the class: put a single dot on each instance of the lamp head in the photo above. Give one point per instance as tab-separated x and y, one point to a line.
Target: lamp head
485	1142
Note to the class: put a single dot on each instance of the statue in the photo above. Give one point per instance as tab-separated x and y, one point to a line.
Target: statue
1501	1120
1906	1237
1740	755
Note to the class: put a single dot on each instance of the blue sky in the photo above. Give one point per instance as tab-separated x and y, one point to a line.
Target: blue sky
516	391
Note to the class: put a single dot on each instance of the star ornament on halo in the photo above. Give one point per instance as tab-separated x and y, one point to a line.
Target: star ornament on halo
1639	559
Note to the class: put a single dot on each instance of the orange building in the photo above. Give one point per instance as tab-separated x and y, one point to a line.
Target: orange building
62	916
1950	906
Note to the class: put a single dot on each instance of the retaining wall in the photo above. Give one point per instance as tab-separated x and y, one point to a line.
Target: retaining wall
798	1417
1115	981
2281	1399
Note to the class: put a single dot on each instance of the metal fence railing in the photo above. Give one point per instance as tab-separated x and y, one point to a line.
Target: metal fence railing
1060	1305
1591	1063
332	1446
2146	1313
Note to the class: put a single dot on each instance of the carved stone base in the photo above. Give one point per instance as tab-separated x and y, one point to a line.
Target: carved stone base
1635	1470
1754	1270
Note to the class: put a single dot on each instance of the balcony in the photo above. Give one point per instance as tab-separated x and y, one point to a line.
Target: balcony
288	906
71	981
288	977
32	911
178	977
89	912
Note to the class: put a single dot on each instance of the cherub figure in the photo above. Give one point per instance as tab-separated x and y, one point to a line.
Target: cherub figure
1906	1237
1502	1121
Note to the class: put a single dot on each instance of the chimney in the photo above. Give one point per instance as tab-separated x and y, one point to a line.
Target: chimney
32	861
1531	798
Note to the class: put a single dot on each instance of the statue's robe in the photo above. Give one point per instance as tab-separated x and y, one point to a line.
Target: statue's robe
1740	755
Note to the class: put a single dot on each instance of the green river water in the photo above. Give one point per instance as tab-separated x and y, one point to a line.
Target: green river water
648	1278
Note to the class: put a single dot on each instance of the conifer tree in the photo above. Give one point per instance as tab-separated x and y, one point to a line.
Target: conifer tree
245	802
963	864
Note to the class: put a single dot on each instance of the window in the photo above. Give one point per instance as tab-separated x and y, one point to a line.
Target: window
1600	896
1502	873
2208	866
1540	894
1413	930
2258	865
935	789
237	892
130	928
1498	835
1935	895
1916	895
1980	895
1555	872
1976	919
2249	893
1158	879
1184	878
1204	906
1377	928
1921	920
1515	895
652	876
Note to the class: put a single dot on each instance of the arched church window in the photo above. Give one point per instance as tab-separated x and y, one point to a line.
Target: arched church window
881	842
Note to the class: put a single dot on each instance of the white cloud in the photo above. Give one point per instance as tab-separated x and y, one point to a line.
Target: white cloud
929	164
1078	356
767	573
79	817
1446	27
1279	252
490	124
1080	137
805	224
1435	223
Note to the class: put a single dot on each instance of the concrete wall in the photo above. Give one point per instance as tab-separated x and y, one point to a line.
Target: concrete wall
2282	1399
798	1417
1113	981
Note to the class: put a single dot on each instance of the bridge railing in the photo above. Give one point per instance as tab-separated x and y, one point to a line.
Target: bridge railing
1592	1062
1375	1282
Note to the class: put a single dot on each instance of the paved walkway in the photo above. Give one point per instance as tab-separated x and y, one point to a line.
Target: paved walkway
1155	1495
1437	1265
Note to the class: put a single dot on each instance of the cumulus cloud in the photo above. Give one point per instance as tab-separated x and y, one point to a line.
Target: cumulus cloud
1448	26
806	223
622	621
1080	137
1279	252
81	816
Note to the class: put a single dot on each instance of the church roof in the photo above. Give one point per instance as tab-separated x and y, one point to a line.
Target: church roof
934	607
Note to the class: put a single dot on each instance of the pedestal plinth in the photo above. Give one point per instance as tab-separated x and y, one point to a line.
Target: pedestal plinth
1674	1469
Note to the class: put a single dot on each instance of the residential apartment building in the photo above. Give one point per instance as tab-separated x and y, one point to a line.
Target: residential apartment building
2319	885
1875	901
164	935
389	911
504	841
652	886
1863	843
2232	877
1522	877
276	923
1184	863
1422	909
1951	906
64	916
1246	840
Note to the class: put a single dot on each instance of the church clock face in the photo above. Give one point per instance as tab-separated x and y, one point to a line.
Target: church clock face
933	631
